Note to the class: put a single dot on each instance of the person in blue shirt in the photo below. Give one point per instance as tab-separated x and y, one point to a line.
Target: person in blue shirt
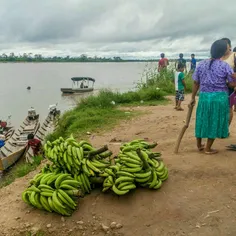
193	63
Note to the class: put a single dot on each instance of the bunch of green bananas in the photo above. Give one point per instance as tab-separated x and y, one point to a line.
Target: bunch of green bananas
52	169
77	157
137	143
135	165
53	192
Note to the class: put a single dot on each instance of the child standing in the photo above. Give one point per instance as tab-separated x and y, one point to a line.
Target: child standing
180	86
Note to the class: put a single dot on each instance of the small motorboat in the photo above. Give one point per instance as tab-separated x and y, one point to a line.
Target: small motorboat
80	85
47	127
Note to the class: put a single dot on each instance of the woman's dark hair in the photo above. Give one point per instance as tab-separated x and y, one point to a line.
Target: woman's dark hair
181	55
162	55
218	49
227	40
30	136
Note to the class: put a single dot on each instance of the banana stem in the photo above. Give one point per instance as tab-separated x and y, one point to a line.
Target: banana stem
152	145
145	163
97	151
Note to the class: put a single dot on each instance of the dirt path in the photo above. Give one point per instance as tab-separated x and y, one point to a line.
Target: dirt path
198	199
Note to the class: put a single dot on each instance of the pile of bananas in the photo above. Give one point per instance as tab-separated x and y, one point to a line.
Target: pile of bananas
79	159
77	166
53	192
135	165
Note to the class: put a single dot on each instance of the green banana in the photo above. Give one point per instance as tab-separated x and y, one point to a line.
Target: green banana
67	186
121	185
66	202
31	198
91	166
124	173
35	189
87	181
128	187
154	179
131	170
119	192
85	169
41	186
129	160
56	201
143	180
158	185
124	179
25	197
161	167
60	179
44	203
73	183
142	175
86	189
46	194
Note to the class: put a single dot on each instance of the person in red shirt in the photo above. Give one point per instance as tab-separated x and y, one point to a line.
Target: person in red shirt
35	144
163	63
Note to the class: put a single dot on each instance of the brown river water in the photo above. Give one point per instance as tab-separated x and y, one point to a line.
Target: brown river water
46	79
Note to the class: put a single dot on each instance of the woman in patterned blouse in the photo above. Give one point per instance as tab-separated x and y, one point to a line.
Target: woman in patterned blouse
212	117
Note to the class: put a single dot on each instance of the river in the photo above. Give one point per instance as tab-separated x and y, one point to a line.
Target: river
46	79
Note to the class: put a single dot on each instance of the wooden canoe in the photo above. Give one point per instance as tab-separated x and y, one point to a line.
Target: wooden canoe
77	90
47	127
16	145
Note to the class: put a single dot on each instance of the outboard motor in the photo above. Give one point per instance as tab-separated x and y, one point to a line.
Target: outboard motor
53	110
32	114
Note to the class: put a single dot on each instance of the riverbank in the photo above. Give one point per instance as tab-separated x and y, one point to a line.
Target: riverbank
197	199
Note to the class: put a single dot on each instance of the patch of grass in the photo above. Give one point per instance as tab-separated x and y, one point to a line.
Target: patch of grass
163	80
107	98
79	121
19	170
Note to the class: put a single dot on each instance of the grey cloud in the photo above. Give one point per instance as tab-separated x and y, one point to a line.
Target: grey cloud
112	27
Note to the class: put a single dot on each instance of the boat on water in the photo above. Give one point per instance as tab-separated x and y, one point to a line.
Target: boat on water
16	145
6	130
80	85
47	127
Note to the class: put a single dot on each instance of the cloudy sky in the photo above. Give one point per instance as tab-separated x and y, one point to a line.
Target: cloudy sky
126	28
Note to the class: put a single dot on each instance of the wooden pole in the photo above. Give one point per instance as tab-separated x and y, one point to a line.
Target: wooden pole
188	118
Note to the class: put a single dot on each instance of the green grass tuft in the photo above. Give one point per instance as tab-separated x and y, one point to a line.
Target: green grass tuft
19	170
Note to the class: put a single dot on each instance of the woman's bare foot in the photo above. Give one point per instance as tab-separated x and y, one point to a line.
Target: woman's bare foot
179	109
175	108
201	147
211	152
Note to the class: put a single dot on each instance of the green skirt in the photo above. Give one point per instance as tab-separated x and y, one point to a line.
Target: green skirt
212	119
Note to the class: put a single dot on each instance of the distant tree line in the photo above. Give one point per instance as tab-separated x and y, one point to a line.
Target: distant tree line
29	57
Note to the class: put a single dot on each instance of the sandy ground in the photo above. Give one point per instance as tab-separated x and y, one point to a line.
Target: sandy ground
199	197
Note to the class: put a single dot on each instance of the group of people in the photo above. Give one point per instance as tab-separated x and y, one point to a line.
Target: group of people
215	80
164	62
181	67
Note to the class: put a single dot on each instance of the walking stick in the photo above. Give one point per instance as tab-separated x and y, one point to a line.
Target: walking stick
189	114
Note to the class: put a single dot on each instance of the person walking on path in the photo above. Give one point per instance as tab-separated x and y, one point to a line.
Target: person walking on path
163	63
212	115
